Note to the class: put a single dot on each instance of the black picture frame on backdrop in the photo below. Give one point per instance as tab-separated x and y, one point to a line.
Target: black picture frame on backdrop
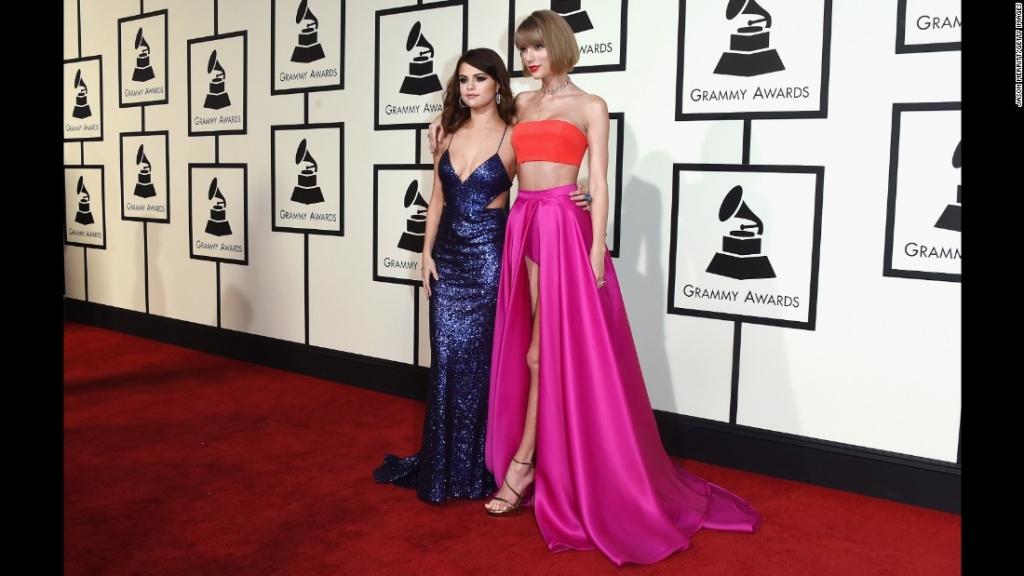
204	62
378	124
901	36
380	275
674	307
92	106
290	154
165	216
164	94
822	106
244	168
101	206
889	269
338	37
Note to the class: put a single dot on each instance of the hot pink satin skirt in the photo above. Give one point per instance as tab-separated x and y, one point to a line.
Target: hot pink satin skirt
603	478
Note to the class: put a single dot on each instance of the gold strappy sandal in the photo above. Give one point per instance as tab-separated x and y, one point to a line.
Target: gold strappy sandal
513	509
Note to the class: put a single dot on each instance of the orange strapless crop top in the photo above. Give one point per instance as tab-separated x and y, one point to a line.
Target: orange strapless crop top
549	141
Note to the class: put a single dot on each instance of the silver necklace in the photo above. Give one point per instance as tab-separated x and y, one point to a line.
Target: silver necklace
550	91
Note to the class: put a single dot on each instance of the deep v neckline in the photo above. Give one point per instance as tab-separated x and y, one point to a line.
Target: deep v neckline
479	166
475	170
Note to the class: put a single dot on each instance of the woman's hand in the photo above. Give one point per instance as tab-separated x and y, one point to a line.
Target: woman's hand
435	134
581	197
597	263
428	270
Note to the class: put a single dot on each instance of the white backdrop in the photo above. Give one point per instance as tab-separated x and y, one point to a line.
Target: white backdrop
879	368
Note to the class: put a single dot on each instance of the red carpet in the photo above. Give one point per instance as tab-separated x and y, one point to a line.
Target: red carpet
177	462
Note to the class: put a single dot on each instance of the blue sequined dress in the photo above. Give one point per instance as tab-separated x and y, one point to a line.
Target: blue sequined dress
467	252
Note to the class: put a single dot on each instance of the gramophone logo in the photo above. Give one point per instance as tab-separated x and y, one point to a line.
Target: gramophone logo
571	11
950	218
216	96
144	185
421	78
81	109
416	225
218	224
749	53
740	256
143	68
84	214
306	191
307	48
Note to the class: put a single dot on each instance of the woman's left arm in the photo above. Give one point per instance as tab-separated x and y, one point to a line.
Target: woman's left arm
597	142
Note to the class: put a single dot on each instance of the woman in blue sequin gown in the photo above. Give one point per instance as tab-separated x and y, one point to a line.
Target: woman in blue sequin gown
462	251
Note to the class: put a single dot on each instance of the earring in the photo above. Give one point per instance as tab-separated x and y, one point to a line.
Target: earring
462	104
497	98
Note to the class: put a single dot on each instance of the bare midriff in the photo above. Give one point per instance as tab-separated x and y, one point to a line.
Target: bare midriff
539	175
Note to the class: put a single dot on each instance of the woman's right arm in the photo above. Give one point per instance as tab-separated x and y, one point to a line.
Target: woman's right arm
434	208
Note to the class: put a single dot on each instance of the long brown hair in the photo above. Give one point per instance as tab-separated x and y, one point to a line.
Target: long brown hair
549	29
454	114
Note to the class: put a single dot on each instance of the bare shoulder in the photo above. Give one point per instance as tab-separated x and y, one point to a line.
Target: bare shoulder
527	95
594	104
594	110
525	98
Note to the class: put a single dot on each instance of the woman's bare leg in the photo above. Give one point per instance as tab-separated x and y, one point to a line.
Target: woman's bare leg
520	476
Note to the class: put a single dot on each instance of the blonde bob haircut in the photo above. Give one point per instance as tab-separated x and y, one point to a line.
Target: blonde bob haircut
547	28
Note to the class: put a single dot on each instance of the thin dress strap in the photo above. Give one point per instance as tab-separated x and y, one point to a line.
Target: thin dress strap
450	142
499	141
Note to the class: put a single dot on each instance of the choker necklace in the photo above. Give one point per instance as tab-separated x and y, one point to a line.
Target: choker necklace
550	91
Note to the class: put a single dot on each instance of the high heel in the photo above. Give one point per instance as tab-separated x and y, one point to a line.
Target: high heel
513	509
